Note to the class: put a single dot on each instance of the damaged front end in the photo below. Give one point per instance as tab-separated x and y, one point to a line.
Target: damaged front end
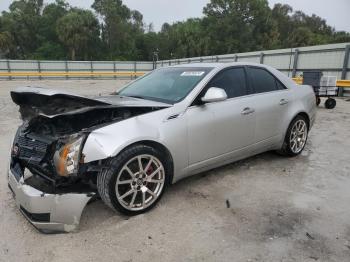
44	176
47	173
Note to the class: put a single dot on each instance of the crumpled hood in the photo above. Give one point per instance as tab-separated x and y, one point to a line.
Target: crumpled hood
35	101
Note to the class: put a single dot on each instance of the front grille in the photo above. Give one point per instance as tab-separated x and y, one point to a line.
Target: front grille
34	152
31	148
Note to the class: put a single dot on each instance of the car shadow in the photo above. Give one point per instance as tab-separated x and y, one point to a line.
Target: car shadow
97	213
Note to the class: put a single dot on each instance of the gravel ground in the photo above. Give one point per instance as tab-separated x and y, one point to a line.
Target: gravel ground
265	208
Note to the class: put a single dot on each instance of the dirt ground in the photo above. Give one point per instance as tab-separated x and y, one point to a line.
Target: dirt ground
266	208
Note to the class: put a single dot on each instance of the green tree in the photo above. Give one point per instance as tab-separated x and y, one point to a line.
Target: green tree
78	30
31	29
50	45
120	28
239	25
302	36
7	46
281	15
22	24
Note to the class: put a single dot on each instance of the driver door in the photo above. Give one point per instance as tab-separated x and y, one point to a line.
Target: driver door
224	130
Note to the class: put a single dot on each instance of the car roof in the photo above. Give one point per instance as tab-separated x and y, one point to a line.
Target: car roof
219	65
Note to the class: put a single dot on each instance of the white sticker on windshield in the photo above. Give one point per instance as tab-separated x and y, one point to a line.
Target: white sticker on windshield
193	73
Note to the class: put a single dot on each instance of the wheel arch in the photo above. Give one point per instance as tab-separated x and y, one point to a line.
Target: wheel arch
158	146
304	115
300	113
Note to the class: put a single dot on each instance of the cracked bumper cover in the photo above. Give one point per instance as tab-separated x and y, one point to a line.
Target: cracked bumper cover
49	213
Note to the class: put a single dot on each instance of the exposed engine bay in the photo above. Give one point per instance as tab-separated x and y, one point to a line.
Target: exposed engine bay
55	127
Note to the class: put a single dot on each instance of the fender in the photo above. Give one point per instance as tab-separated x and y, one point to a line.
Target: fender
110	140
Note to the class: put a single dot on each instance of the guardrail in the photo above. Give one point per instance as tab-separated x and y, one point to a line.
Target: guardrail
298	80
340	83
42	69
71	74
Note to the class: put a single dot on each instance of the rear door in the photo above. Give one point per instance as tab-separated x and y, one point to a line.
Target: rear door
271	105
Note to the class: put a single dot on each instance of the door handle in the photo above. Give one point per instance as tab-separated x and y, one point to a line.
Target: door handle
247	111
283	102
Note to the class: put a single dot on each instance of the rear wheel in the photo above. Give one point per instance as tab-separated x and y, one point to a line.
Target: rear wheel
318	101
296	137
135	180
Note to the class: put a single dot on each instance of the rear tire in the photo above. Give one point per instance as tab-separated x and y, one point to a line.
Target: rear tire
134	181
318	101
296	137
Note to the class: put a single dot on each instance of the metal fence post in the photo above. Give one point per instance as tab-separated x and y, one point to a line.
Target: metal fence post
345	67
114	70
135	68
295	62
262	58
9	68
66	67
92	69
236	58
39	69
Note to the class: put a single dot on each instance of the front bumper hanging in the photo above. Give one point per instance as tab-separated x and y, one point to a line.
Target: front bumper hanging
49	213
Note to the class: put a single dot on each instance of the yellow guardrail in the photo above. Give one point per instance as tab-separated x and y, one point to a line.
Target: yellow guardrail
298	80
343	83
73	74
340	83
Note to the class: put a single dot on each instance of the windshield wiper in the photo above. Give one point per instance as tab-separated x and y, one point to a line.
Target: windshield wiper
139	97
154	99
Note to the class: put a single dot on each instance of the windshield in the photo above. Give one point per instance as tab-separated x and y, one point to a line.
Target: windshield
169	85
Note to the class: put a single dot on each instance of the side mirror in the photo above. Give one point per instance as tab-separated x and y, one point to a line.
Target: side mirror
214	94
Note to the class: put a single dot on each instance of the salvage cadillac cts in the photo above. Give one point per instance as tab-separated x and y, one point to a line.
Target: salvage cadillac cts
128	147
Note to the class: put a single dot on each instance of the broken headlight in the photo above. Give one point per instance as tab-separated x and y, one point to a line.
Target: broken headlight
68	157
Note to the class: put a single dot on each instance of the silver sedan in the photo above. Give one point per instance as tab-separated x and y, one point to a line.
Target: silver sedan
130	146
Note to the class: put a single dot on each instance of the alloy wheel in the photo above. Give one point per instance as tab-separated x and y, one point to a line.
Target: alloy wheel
298	136
140	182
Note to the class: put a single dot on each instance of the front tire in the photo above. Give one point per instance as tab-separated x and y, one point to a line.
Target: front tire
135	180
296	137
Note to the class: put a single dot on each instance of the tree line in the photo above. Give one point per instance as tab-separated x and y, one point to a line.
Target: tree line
32	29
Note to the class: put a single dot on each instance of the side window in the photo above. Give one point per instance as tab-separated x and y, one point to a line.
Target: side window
232	80
262	81
279	85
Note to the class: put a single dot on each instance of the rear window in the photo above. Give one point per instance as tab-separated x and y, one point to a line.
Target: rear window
262	81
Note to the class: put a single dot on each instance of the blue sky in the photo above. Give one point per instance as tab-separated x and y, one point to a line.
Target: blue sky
336	12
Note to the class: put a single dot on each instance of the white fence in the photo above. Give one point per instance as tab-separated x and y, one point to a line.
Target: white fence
35	69
332	60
